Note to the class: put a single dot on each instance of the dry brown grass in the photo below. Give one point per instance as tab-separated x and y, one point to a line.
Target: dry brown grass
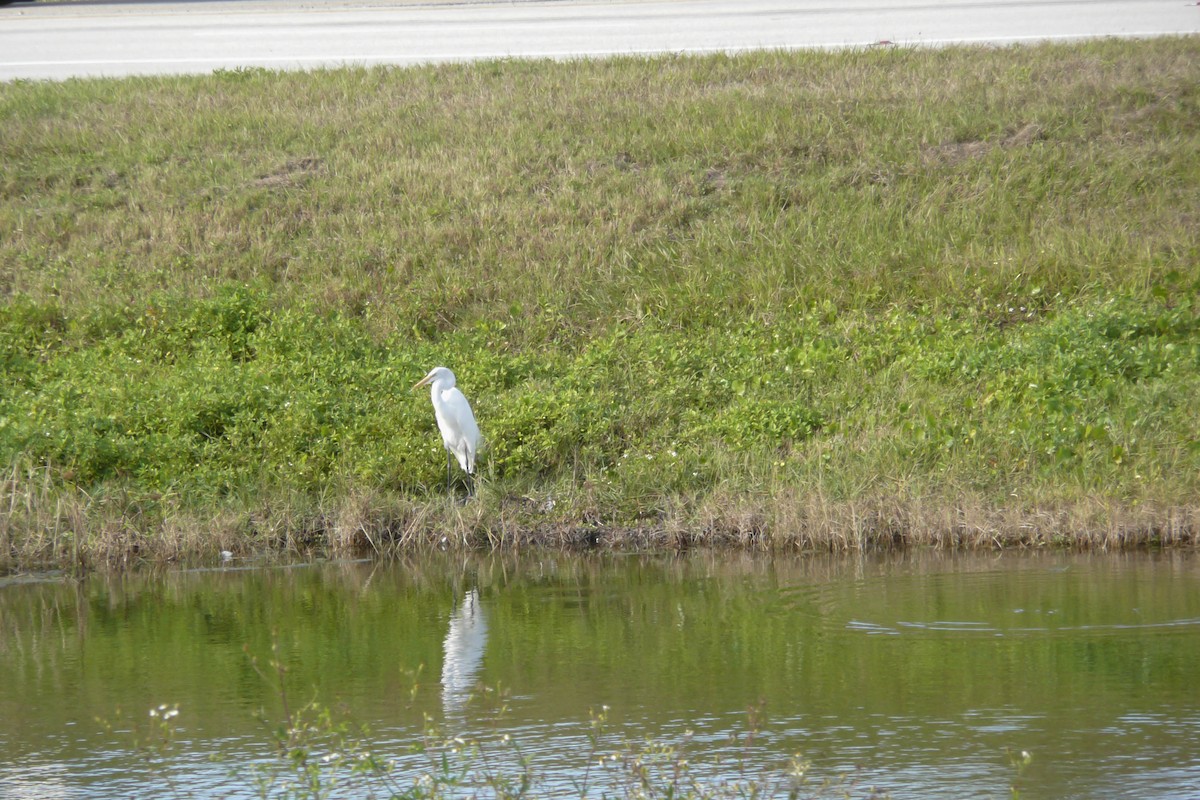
43	526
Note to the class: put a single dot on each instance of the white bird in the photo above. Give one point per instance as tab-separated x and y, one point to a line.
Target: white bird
460	434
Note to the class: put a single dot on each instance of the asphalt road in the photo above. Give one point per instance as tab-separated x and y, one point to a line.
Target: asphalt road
65	40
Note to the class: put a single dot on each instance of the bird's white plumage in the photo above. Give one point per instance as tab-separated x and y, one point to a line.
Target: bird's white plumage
460	434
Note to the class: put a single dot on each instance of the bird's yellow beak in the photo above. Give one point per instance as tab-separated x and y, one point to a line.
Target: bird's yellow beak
423	382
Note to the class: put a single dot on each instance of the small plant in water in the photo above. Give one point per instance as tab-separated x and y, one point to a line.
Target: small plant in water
155	741
1020	762
316	755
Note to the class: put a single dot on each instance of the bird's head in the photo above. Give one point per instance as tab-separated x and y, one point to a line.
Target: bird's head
436	374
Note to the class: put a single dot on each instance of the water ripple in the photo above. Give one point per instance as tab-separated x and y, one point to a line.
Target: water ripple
977	628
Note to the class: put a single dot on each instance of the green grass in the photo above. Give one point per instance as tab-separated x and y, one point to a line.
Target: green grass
825	299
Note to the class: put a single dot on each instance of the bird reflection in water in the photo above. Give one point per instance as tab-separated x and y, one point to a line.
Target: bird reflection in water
463	652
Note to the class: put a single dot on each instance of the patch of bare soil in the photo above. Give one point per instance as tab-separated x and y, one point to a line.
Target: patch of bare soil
956	152
294	173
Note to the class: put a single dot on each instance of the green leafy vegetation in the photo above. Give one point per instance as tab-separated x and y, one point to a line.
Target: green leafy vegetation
755	295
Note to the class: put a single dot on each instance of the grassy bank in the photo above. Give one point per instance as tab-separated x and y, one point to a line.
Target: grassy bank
813	299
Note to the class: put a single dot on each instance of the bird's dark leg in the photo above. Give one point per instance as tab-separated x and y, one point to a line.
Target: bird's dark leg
449	490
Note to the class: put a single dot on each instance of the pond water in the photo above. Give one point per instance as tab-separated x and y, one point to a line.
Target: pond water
923	674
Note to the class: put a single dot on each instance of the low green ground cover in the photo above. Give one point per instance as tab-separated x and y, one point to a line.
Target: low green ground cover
942	295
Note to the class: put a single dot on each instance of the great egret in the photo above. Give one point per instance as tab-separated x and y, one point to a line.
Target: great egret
460	434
